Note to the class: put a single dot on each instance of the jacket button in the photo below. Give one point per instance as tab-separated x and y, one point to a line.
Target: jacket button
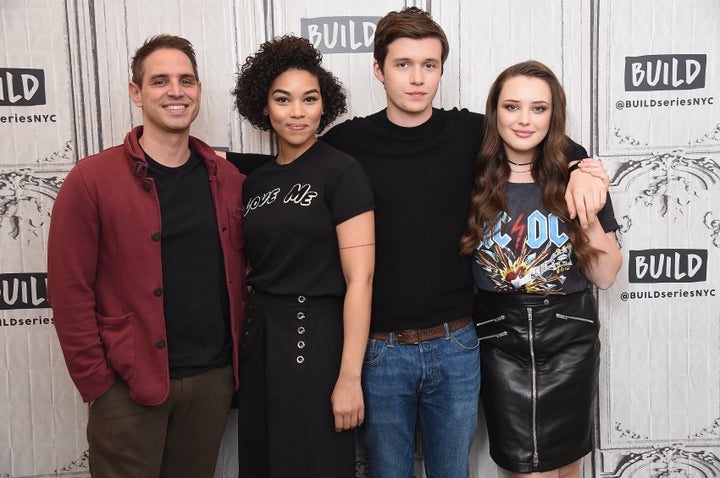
147	185
157	292
160	344
155	236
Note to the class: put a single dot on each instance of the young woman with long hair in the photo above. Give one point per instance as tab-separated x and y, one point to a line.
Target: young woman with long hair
534	268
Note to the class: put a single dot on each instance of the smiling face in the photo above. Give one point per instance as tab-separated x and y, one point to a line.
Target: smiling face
411	75
170	93
295	108
523	116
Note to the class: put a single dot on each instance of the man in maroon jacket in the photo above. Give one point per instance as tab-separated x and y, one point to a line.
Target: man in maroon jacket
145	278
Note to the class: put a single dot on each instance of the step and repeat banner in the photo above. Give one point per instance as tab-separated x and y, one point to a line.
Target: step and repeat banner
656	125
643	86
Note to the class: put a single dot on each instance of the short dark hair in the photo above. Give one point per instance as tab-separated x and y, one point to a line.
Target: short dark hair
273	58
410	22
159	42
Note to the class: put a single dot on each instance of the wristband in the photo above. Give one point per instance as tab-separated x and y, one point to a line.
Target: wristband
574	167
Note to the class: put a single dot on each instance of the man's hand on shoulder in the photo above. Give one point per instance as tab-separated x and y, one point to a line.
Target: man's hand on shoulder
587	189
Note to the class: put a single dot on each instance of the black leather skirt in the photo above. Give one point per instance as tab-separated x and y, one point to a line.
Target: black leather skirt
539	366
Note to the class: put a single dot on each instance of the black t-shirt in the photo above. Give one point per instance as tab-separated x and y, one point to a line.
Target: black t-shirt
530	250
291	212
195	299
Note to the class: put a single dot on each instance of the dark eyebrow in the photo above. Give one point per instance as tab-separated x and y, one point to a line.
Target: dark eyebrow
166	75
409	60
283	92
510	100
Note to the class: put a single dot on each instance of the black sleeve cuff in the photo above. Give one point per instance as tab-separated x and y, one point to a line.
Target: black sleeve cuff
575	151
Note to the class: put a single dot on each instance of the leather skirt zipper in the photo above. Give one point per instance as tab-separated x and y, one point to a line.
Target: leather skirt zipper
531	332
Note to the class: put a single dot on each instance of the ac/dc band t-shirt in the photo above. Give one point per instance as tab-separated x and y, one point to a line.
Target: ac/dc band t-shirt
529	250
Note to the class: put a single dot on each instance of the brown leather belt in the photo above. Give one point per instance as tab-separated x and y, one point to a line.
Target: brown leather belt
415	336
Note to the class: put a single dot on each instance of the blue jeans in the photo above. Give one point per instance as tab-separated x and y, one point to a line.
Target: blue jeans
437	380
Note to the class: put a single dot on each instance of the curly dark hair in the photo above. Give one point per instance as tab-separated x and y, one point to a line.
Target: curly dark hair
273	58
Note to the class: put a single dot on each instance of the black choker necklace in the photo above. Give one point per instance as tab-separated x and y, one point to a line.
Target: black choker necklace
520	164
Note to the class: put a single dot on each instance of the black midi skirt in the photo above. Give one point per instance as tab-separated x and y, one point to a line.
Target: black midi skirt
289	365
539	366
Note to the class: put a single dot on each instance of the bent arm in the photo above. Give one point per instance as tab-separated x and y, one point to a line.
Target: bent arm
356	240
603	271
73	245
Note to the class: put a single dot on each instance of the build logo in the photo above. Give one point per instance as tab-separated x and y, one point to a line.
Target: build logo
22	87
340	34
23	291
667	265
665	72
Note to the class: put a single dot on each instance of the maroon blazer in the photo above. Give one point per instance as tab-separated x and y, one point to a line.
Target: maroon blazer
105	273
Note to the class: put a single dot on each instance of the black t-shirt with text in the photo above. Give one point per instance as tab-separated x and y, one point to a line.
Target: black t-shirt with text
291	212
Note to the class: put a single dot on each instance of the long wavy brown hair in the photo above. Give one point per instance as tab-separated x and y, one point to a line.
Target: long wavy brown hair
549	169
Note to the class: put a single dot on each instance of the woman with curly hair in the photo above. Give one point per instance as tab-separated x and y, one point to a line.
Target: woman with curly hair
309	238
536	315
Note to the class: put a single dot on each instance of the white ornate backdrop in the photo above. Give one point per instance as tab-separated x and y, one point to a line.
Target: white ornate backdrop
643	84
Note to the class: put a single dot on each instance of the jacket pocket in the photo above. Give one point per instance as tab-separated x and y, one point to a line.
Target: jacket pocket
574	317
490	321
486	329
118	336
499	335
